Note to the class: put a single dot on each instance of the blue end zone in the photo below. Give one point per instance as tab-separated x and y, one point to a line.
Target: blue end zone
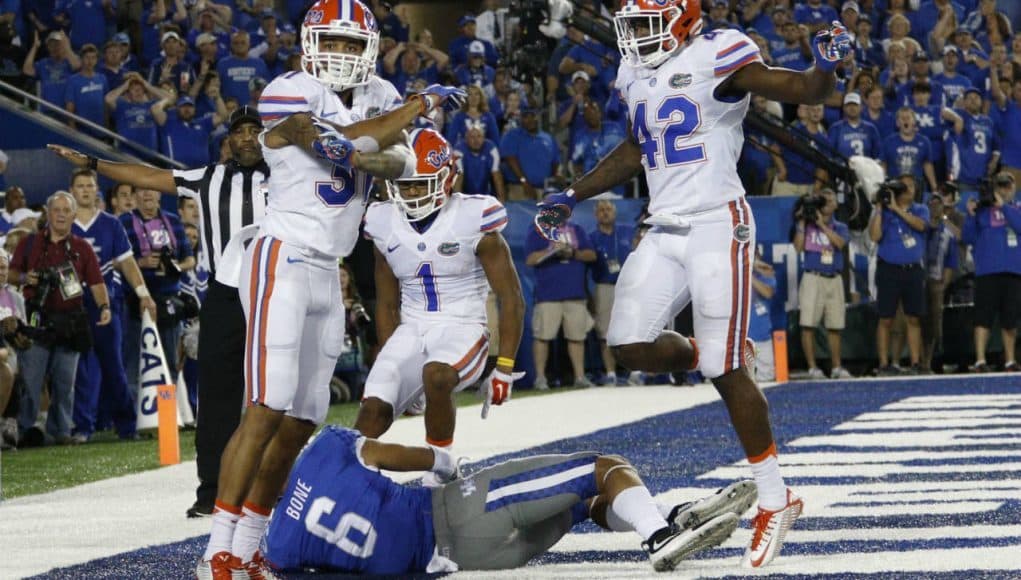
673	449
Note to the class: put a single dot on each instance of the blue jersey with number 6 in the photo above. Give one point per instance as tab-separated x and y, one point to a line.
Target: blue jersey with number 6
337	514
690	135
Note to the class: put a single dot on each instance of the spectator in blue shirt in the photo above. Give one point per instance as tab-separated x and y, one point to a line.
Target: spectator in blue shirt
852	135
1006	115
801	173
875	112
941	261
112	67
760	323
238	69
992	230
822	239
975	152
794	53
560	292
974	60
54	70
475	71
390	23
208	56
919	76
954	84
595	141
184	137
612	244
867	50
779	16
131	104
898	226
924	19
815	15
406	63
475	112
598	61
479	162
158	242
173	65
989	26
933	120
908	153
210	22
761	156
86	19
719	17
570	113
531	156
87	89
458	49
11	11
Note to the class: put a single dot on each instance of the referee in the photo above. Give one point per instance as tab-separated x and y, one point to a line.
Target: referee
230	196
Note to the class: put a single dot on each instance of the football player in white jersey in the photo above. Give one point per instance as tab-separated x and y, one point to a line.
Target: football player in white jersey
322	144
437	255
687	95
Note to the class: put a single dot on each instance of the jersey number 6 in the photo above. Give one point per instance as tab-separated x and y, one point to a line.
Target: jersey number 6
677	130
339	191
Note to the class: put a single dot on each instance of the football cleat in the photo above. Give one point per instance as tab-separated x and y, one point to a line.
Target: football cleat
669	546
256	569
736	499
769	529
220	567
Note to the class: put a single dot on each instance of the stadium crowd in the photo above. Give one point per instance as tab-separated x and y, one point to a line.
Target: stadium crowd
933	93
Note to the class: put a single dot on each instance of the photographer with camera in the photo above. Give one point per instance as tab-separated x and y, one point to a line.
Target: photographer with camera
163	252
992	229
53	265
941	261
898	226
821	240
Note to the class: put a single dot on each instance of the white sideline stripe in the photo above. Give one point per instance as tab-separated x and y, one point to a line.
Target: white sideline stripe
921	423
911	415
541	483
928	439
867	470
962	398
850	458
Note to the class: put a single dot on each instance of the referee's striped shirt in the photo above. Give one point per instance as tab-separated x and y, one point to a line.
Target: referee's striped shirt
230	197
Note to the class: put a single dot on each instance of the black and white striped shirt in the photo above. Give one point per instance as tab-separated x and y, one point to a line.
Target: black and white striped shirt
230	197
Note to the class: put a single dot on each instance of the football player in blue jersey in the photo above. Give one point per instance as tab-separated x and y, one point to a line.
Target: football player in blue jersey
339	513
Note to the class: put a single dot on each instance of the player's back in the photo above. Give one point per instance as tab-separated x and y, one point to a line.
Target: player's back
311	202
690	138
442	279
337	514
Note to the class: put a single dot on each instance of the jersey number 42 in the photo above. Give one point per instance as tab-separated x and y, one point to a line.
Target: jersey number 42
683	117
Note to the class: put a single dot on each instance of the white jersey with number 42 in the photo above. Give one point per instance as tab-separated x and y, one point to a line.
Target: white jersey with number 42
690	138
312	203
441	277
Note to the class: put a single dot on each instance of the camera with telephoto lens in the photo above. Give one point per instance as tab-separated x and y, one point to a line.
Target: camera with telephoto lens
359	315
169	267
810	206
48	279
889	190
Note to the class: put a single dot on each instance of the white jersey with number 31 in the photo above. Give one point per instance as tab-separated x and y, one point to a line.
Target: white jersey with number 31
690	138
312	203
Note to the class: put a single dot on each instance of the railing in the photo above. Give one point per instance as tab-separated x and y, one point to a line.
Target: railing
144	152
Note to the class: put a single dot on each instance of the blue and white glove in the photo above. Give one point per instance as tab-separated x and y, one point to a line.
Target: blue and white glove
496	389
433	96
554	211
332	146
830	46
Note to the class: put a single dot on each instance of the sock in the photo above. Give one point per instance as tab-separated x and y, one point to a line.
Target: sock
225	519
636	507
250	528
617	524
766	470
612	376
444	444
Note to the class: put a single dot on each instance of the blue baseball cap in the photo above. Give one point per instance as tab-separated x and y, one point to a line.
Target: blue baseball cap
121	38
465	19
975	90
185	100
287	28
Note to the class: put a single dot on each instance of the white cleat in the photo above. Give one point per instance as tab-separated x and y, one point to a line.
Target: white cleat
769	529
736	498
669	546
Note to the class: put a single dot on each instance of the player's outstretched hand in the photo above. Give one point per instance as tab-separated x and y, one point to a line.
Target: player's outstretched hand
433	96
554	211
333	146
830	46
496	389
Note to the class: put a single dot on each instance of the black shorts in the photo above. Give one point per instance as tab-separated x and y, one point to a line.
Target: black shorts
997	295
897	284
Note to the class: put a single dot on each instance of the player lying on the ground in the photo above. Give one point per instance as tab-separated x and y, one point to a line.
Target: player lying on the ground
437	255
340	513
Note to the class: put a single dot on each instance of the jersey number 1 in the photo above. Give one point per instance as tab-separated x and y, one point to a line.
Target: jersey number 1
674	132
432	299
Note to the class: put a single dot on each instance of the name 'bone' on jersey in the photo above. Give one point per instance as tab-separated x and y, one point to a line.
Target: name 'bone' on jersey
441	277
311	202
690	139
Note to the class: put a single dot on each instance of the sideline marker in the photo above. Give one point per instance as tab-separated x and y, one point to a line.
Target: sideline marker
780	355
169	443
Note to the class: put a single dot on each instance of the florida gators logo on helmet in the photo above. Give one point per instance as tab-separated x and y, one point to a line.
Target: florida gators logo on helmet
649	31
424	192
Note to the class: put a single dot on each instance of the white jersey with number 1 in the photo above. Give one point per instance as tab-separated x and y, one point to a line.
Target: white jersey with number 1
690	138
312	203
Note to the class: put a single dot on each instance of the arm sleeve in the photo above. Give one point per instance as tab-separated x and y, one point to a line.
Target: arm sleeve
494	216
284	97
734	50
188	181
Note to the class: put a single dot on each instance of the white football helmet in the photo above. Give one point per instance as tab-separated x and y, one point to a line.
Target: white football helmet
345	18
435	170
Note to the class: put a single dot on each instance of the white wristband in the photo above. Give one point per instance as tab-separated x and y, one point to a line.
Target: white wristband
141	291
444	464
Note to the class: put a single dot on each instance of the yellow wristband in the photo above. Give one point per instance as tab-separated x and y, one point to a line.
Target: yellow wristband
504	362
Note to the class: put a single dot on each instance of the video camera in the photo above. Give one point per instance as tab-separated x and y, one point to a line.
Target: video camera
889	191
168	266
809	206
987	189
48	278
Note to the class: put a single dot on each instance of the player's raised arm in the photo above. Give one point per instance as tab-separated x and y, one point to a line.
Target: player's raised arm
136	174
809	87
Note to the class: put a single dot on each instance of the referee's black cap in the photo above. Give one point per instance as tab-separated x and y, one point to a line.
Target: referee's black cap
244	114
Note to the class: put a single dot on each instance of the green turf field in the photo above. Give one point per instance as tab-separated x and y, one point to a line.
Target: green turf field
32	471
